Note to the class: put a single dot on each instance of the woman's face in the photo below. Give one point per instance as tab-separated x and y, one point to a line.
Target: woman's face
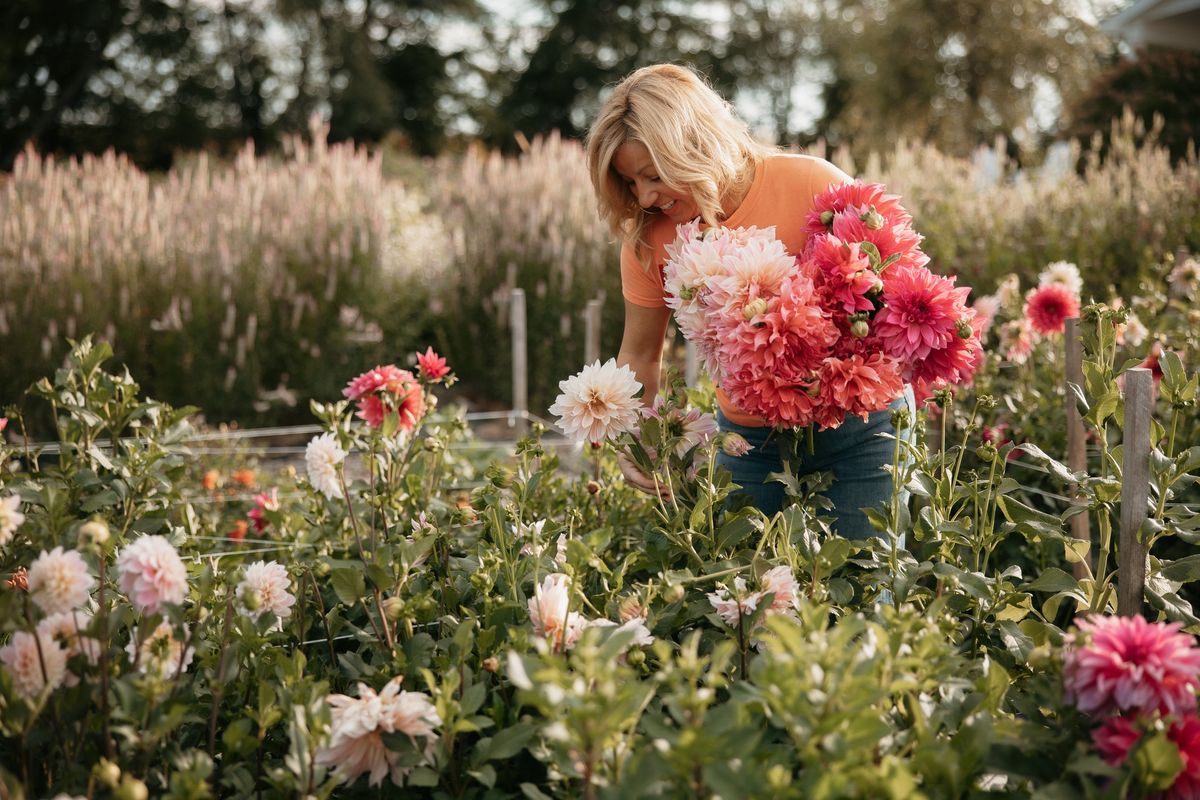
633	163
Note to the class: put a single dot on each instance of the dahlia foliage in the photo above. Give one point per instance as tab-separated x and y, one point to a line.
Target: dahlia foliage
837	329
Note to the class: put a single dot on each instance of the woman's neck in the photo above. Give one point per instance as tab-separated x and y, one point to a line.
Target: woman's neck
732	200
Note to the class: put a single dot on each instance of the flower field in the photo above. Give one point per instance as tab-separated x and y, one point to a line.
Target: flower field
392	614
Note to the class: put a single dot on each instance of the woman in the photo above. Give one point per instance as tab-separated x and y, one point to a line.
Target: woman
665	149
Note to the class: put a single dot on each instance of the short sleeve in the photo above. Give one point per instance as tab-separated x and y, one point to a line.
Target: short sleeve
640	285
824	174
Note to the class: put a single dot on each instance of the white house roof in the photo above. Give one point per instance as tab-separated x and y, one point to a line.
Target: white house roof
1169	23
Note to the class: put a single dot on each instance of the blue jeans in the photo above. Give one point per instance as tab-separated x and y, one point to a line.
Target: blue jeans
855	453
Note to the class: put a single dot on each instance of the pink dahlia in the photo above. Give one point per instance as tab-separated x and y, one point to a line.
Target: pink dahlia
34	663
1048	307
838	199
151	573
957	361
1016	340
387	390
860	385
1115	738
1129	664
921	313
1185	733
432	366
846	275
263	502
60	580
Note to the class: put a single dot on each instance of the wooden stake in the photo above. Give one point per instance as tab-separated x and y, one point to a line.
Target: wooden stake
1135	491
520	364
591	336
691	370
1076	443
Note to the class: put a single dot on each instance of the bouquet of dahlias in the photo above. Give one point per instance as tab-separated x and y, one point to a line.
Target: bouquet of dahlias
834	330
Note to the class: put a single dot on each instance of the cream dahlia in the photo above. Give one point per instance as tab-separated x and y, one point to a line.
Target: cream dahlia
321	458
25	656
598	403
162	655
264	587
60	581
10	517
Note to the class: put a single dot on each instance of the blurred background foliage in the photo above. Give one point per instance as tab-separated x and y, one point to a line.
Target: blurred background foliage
152	78
235	257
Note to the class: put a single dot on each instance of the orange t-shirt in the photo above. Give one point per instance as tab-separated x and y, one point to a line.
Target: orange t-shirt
781	195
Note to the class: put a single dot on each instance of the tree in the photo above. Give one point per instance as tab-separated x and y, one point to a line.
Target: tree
954	72
1159	82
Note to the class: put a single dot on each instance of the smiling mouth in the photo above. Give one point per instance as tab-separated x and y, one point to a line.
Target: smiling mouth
668	206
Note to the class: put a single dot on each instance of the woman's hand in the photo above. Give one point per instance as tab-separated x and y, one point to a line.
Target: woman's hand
640	480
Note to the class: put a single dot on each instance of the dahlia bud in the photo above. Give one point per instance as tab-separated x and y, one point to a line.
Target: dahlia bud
463	515
965	331
872	219
393	607
826	218
876	287
107	773
901	418
251	599
686	292
132	789
635	658
631	608
986	452
674	593
501	477
754	308
735	445
859	329
491	664
93	532
593	487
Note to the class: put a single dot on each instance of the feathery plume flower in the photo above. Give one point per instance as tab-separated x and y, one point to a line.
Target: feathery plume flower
150	573
10	517
598	403
387	390
60	581
24	664
321	458
1063	273
433	367
264	587
357	726
549	611
1048	307
1129	664
162	655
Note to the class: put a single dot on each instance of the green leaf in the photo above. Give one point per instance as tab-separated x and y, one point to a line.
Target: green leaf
349	584
1156	761
1183	570
534	793
485	775
1053	579
508	742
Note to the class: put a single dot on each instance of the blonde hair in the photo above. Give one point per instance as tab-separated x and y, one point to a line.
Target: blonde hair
697	144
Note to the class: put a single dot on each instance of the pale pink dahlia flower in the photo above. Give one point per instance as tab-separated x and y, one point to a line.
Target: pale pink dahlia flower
64	628
734	605
150	573
265	588
10	517
693	426
1048	307
60	581
21	657
782	583
1129	664
550	614
598	403
356	744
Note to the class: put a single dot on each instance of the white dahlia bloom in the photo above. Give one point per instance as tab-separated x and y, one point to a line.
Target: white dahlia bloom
1009	292
10	517
21	657
162	654
356	744
598	403
60	581
1132	332
549	611
781	582
1064	273
322	457
150	573
265	588
731	607
64	627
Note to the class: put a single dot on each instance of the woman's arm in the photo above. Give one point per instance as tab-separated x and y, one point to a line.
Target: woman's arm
642	345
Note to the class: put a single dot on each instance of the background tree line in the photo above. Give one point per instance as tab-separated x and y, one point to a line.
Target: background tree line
153	77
